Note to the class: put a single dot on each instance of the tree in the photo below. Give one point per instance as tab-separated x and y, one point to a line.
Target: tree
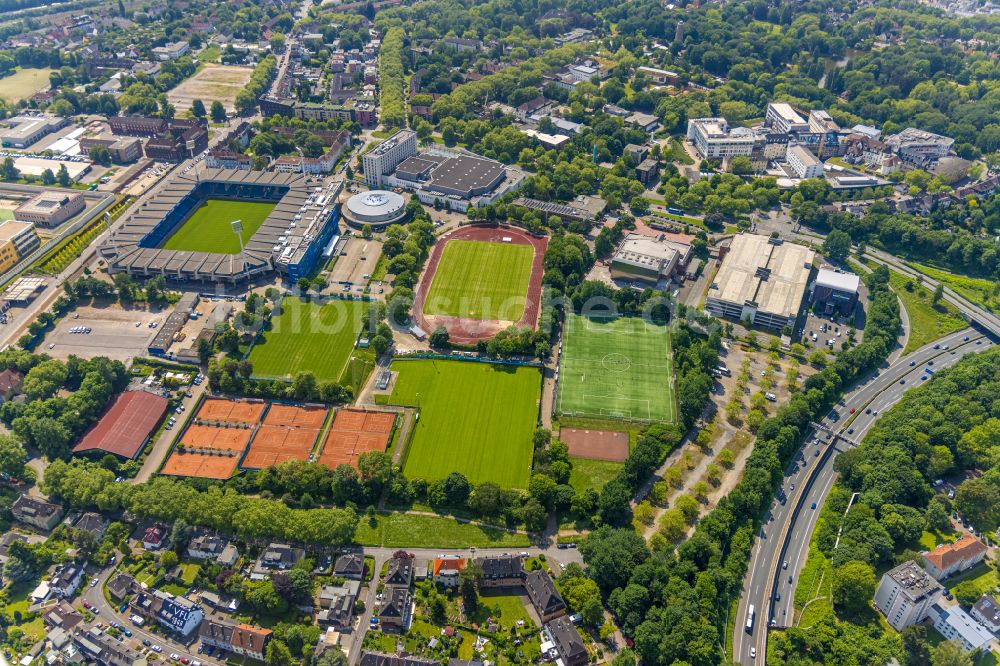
8	171
218	112
469	579
915	643
12	456
303	284
331	658
63	176
938	294
48	178
168	560
198	108
837	245
854	585
936	516
950	653
278	654
439	338
366	232
534	515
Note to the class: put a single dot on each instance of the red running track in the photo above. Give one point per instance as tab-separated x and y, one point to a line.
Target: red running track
463	331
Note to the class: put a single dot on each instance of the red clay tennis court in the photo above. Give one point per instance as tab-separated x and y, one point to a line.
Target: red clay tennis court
595	444
355	432
295	416
276	444
203	465
200	436
230	411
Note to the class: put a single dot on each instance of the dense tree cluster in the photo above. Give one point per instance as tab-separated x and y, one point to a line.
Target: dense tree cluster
391	71
86	485
958	237
261	78
51	422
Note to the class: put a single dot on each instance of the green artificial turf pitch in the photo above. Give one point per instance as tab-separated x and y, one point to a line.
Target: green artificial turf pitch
475	418
210	227
308	335
616	368
481	280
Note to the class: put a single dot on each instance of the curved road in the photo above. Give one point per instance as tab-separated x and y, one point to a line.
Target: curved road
784	537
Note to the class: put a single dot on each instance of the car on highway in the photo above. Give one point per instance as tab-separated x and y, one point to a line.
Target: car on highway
789	580
912	363
147	642
174	656
784	565
965	339
937	346
157	648
852	410
813	505
902	381
868	410
753	653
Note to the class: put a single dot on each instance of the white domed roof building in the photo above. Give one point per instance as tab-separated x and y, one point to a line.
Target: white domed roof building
376	208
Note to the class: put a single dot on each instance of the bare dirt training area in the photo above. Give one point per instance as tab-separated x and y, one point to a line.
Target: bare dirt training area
210	83
595	444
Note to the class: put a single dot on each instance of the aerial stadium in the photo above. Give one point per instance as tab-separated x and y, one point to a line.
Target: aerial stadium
186	231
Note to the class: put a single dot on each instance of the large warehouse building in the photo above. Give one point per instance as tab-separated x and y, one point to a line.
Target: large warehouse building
761	280
290	240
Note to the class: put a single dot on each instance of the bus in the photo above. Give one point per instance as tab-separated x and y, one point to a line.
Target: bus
750	619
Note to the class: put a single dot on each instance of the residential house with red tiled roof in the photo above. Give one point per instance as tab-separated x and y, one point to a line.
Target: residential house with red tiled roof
448	570
951	558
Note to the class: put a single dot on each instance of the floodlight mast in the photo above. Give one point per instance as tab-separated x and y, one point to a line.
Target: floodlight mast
237	226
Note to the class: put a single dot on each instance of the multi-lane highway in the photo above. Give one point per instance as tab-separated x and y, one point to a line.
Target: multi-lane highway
784	537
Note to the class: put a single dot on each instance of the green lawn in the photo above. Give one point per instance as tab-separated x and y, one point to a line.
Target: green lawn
210	54
308	335
209	227
398	530
474	418
23	83
616	368
677	152
594	474
481	280
931	540
984	293
928	322
6	214
505	608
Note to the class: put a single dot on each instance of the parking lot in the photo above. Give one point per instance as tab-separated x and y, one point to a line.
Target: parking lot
113	333
358	260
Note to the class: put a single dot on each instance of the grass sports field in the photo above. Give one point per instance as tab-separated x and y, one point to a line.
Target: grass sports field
475	418
23	84
616	368
209	227
308	335
481	280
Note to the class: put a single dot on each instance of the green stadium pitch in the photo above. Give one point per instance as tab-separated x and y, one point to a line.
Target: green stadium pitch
210	227
616	369
314	336
475	418
481	280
